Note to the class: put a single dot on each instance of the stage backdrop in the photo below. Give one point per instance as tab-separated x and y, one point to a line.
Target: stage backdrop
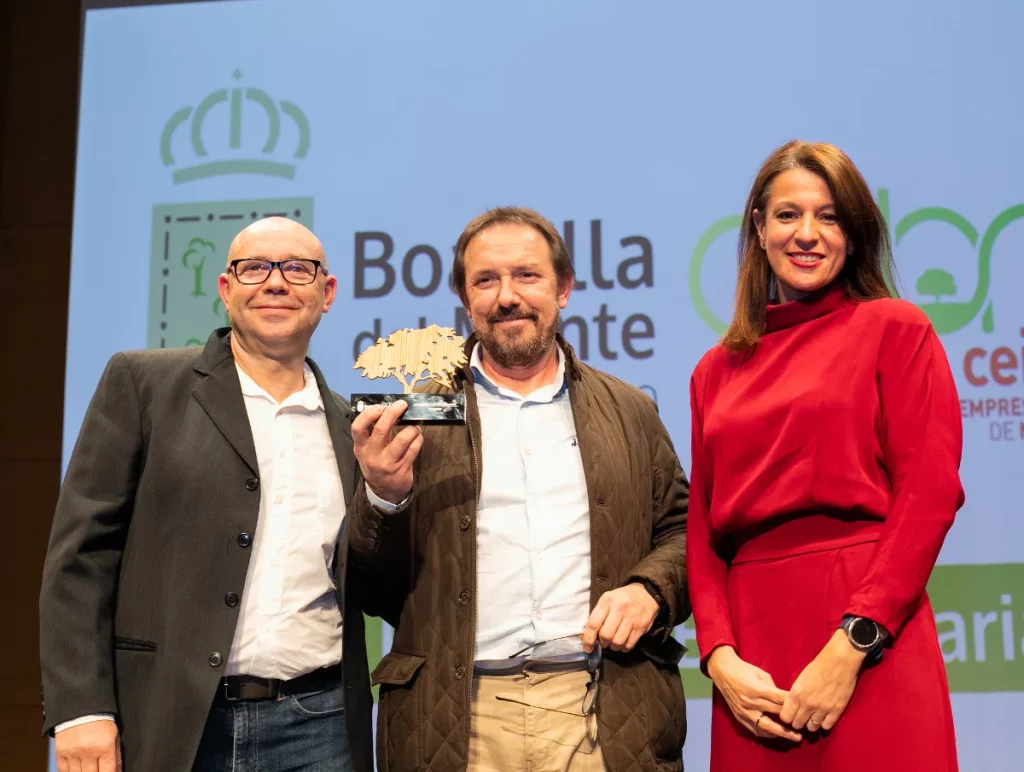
637	129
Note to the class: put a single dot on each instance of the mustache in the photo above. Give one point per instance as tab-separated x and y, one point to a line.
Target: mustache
511	314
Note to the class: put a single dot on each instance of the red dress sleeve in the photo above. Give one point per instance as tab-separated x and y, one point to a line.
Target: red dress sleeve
921	437
706	571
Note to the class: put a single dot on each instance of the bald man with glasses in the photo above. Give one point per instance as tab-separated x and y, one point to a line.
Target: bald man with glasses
195	612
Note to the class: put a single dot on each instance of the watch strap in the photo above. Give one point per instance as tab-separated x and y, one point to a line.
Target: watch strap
654	592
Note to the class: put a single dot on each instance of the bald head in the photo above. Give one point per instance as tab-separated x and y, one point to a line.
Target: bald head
276	238
273	314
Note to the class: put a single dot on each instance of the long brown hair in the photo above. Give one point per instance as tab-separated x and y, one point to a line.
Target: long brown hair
868	272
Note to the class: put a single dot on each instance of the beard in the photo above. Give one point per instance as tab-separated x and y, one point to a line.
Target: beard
518	346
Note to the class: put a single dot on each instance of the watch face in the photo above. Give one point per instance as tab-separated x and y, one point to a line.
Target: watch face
864	632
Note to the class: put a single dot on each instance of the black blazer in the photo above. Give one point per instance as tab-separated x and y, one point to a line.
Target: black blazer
147	542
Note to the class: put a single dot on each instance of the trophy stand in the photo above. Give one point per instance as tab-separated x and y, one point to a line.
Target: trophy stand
413	356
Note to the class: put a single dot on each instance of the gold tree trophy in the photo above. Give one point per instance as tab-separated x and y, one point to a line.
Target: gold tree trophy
433	353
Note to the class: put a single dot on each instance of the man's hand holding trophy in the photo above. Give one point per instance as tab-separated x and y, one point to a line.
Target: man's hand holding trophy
434	355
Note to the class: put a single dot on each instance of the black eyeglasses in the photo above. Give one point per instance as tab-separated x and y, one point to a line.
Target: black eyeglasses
589	708
294	270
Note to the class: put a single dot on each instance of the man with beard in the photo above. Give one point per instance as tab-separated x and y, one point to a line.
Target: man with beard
532	561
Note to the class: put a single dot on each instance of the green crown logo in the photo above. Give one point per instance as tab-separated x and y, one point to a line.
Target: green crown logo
236	97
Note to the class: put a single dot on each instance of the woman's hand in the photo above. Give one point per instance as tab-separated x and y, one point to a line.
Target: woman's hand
822	691
750	693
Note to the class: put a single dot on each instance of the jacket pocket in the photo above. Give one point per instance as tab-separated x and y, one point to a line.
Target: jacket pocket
665	709
400	718
397	668
133	644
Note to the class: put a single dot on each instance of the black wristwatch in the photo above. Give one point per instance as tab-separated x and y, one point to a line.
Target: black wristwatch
865	635
654	592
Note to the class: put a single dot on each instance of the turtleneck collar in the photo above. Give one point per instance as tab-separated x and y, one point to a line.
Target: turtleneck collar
829	298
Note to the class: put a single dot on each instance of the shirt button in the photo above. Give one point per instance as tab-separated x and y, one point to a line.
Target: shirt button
244	540
231	599
463	597
537	614
281	454
216	660
252	484
278	499
464	522
460	672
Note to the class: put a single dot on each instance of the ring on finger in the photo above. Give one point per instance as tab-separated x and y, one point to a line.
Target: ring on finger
758	721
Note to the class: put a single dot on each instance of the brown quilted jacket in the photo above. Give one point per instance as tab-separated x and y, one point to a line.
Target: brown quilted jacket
421	563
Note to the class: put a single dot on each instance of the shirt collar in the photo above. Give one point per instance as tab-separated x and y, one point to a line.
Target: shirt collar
546	393
308	397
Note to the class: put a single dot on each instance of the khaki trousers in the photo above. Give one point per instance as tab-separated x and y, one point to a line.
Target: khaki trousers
507	736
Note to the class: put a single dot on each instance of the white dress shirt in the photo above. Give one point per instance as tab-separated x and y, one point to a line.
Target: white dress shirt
289	621
533	518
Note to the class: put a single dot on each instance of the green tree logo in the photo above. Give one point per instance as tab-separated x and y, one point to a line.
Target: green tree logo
946	316
936	283
187	257
195	258
237	99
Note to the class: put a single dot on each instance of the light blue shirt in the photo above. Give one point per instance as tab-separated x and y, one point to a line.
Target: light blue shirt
533	518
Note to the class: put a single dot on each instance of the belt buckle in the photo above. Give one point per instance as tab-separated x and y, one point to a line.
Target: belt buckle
242	693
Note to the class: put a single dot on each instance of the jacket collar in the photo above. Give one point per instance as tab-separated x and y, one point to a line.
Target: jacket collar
219	392
339	416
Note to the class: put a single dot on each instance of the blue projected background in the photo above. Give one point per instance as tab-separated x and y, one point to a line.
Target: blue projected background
637	130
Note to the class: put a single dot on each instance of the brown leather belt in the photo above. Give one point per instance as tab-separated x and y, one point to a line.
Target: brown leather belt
244	687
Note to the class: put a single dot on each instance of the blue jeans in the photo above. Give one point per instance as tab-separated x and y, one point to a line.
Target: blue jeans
297	733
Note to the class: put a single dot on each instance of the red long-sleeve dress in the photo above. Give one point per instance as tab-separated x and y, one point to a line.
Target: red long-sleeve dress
825	477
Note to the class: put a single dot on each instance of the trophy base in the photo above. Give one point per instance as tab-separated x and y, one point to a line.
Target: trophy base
437	409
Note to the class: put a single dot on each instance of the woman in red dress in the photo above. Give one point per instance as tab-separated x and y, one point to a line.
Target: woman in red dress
826	447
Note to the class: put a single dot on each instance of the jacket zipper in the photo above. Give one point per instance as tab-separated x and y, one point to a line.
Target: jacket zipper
477	483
